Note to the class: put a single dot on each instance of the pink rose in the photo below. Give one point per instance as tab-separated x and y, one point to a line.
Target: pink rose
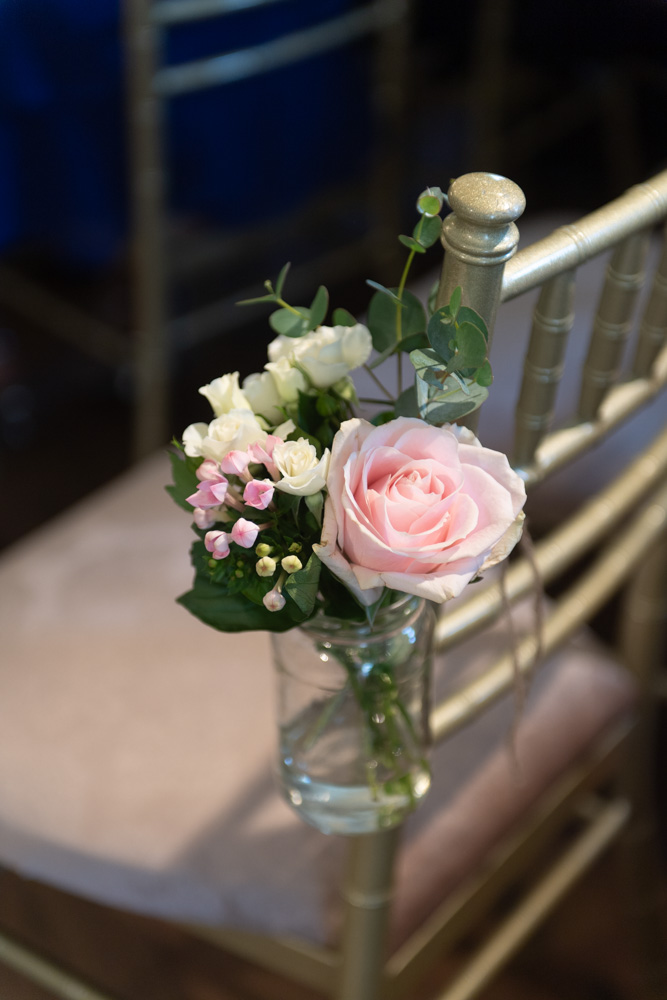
416	508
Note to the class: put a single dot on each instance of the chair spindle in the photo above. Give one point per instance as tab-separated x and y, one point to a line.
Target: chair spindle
552	322
613	322
653	329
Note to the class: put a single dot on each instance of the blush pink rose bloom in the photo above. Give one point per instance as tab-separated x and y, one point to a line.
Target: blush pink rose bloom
416	508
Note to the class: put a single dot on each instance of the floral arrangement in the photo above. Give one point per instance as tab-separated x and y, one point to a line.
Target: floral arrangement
299	503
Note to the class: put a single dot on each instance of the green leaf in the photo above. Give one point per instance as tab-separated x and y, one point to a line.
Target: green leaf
382	313
484	376
381	288
303	585
432	297
427	231
326	404
430	201
414	342
341	317
470	347
290	324
428	366
183	470
468	315
455	301
318	307
227	612
451	402
315	504
383	418
412	244
281	280
406	404
442	333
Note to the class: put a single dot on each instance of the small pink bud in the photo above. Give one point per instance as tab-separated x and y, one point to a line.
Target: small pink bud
210	493
235	463
258	493
203	518
217	544
245	533
274	600
208	470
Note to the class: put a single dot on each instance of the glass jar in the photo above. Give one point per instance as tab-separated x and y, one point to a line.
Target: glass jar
353	716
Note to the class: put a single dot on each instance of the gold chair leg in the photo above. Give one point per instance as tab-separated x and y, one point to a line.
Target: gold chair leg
367	895
643	640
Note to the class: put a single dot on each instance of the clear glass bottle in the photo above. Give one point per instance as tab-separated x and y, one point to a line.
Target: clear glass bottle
353	708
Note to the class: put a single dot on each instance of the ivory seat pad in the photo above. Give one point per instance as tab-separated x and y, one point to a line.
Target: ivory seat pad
136	744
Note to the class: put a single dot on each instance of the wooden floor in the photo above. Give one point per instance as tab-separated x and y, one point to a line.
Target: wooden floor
585	952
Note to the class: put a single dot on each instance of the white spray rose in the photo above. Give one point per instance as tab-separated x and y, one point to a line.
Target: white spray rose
302	472
225	394
233	431
288	380
261	392
326	354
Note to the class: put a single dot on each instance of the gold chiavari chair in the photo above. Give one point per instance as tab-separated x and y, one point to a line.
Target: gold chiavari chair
168	809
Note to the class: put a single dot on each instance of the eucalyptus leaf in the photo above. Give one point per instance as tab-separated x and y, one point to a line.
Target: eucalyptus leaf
442	333
432	297
290	324
427	231
318	307
406	404
430	201
381	288
341	317
428	366
451	402
412	244
413	342
484	375
455	301
470	347
281	279
382	318
468	315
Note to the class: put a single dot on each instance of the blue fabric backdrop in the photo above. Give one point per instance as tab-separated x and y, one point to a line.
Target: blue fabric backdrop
237	152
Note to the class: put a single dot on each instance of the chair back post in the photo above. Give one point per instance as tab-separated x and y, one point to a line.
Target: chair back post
367	895
479	237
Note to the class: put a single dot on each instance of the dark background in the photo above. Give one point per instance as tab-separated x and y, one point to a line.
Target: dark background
568	99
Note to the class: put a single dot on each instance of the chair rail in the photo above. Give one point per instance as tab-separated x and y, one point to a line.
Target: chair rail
642	206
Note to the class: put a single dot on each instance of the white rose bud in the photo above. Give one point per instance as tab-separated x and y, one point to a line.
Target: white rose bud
279	348
234	431
193	440
224	394
328	353
262	394
288	380
356	344
302	473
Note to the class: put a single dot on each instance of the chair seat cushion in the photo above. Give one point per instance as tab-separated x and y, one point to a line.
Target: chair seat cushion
136	743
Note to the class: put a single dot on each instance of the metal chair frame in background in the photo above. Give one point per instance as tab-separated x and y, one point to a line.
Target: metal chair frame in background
156	336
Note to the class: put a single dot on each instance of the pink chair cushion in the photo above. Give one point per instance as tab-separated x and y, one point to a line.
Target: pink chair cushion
137	744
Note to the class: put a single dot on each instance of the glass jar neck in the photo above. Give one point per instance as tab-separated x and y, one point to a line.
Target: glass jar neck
401	612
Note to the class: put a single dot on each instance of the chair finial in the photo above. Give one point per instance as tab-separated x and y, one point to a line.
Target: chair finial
479	236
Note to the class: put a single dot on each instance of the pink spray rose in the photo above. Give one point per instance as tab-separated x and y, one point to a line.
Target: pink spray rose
416	508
